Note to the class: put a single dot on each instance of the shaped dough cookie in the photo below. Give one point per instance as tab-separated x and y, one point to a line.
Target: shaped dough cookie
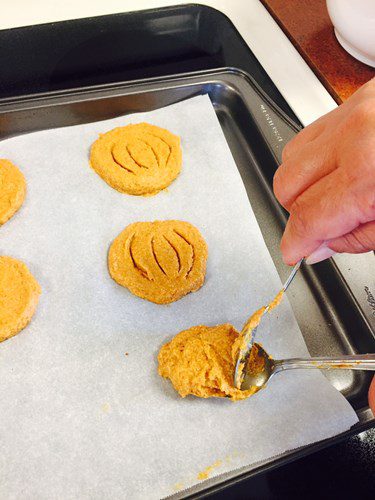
19	295
201	361
159	261
12	190
137	159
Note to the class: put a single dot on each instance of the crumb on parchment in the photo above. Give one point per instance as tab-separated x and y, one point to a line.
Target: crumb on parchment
205	474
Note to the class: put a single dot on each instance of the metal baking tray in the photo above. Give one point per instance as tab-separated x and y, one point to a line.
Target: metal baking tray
256	130
124	47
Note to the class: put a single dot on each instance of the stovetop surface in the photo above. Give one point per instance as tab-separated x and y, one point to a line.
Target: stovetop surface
345	470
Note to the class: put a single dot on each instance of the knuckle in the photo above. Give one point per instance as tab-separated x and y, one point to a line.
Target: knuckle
368	89
369	204
300	225
287	151
359	241
280	185
364	200
366	238
363	114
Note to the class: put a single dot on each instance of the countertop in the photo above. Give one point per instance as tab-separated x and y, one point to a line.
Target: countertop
308	26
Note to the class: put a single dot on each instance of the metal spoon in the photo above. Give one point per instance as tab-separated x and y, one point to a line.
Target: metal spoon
246	348
261	368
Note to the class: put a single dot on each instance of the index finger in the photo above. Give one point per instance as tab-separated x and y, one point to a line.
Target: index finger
301	171
333	206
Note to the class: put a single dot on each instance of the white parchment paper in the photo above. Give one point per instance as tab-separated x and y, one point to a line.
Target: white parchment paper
78	417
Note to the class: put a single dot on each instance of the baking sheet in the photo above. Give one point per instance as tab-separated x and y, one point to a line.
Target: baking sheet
80	418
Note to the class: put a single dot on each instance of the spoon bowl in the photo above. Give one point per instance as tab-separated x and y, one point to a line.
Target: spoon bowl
260	367
249	330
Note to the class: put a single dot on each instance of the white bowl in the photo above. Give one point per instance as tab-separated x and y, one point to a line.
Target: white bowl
354	23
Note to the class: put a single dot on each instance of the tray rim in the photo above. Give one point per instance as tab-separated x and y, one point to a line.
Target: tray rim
33	101
40	97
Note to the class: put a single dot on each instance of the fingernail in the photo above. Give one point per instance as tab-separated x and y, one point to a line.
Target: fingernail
321	253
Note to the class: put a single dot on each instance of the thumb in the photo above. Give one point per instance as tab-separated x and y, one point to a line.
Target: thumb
360	240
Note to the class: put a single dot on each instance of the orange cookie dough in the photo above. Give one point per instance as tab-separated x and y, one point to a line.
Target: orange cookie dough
276	301
201	361
12	190
247	332
243	339
159	261
19	295
137	159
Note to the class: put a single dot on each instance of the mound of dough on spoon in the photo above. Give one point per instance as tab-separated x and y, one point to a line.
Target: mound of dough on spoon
209	361
201	360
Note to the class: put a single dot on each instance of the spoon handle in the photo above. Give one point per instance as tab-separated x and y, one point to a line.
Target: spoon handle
356	362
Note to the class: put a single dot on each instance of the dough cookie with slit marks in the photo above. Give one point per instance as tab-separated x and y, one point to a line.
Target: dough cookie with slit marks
12	190
139	159
159	261
19	296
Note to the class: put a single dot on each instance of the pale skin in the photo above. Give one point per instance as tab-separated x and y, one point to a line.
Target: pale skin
327	183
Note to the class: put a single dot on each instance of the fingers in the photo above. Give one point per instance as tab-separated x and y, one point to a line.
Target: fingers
306	135
371	396
321	253
361	239
332	207
303	169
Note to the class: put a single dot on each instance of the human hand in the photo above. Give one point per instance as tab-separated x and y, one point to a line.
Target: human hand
327	183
